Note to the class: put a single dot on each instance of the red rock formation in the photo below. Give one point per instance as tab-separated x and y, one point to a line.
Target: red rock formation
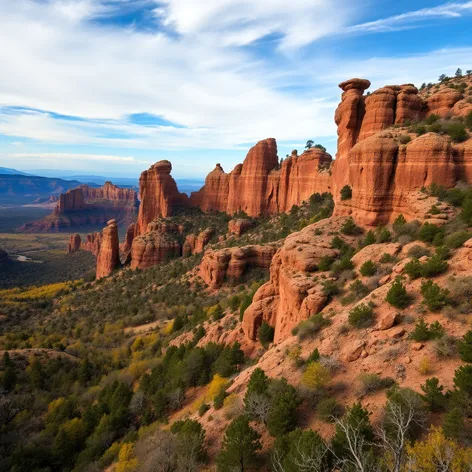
88	206
108	258
196	244
110	192
463	156
410	106
239	226
441	103
259	186
153	248
232	263
74	243
188	247
92	243
159	195
126	246
292	293
73	200
213	196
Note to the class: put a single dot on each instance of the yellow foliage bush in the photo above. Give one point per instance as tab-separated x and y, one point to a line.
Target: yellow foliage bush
424	367
316	375
167	329
127	460
294	354
232	406
437	452
216	385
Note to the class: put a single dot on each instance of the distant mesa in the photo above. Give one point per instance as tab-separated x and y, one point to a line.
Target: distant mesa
85	205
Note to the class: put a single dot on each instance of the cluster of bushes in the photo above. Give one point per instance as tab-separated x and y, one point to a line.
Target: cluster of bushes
456	128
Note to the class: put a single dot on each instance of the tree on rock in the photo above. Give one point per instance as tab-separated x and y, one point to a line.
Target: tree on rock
309	144
239	447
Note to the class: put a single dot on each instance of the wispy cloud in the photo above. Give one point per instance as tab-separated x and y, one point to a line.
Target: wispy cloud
412	18
62	157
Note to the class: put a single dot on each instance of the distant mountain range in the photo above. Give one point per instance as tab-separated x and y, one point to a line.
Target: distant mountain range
18	187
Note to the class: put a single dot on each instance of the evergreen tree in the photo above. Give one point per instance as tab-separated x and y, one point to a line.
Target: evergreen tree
465	347
368	269
463	379
397	296
421	331
8	379
433	394
266	333
258	383
454	424
239	447
282	417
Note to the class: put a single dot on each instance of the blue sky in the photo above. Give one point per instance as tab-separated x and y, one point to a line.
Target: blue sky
110	86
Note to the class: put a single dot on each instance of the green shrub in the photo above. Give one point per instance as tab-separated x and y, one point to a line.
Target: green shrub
457	131
341	265
204	407
350	228
424	332
368	269
418	251
219	399
361	316
465	347
435	297
330	288
387	258
413	269
329	409
311	326
369	239
325	263
434	266
266	333
346	193
314	356
383	235
397	296
429	232
457	239
433	395
371	383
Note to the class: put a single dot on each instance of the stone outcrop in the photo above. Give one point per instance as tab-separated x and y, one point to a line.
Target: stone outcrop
441	103
153	248
88	206
220	265
75	242
108	258
196	244
261	186
110	193
125	247
159	195
292	293
238	226
92	243
73	200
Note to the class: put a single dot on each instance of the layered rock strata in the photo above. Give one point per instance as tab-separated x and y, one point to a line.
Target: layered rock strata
231	264
153	248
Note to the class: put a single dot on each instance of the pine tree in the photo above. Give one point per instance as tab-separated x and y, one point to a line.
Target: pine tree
433	394
454	425
397	296
258	383
465	347
421	331
239	447
463	379
266	333
8	379
369	238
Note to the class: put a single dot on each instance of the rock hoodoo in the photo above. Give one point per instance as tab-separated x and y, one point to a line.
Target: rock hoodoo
239	226
92	243
75	242
159	195
108	258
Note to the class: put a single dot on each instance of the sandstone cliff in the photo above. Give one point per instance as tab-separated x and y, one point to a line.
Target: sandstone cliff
75	242
260	186
153	248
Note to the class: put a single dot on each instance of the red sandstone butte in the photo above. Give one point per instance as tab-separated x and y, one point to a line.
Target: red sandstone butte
74	243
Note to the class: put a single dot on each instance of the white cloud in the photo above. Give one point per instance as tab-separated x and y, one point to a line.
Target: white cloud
75	156
411	18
